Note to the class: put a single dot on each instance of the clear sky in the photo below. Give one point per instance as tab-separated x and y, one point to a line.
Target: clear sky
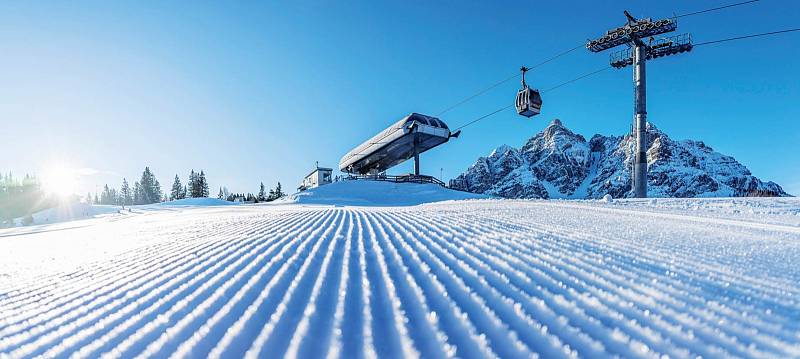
259	92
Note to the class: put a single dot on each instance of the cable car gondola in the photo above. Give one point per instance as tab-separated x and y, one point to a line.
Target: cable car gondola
529	102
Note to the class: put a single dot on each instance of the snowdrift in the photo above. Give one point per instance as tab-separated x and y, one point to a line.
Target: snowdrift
378	193
69	212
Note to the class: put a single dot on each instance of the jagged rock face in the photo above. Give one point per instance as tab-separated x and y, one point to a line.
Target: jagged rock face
558	156
557	163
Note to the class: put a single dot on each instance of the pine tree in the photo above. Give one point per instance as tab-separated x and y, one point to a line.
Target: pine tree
262	193
278	192
220	195
137	193
88	198
149	187
126	197
158	194
105	196
184	193
204	191
193	182
177	189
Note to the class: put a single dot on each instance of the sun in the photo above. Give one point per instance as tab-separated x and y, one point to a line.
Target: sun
59	179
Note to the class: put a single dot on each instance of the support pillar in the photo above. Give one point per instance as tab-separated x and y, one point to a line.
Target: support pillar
639	186
416	154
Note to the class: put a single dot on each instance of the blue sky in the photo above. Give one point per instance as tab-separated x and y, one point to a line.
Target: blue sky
260	91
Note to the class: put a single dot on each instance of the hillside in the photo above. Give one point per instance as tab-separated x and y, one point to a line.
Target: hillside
378	193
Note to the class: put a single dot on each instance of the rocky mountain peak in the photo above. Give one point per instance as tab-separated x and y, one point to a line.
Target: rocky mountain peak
557	163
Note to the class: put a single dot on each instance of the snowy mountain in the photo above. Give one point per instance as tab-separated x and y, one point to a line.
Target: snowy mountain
558	163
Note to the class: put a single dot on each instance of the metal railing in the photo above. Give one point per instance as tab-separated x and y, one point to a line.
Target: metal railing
409	178
660	47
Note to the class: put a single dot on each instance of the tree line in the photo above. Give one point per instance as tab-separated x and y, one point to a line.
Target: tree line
19	197
261	196
147	190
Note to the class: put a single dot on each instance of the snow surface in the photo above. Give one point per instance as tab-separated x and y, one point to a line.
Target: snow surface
481	278
378	193
197	202
70	212
74	211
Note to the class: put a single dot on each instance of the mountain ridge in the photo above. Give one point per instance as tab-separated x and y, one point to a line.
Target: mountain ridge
558	163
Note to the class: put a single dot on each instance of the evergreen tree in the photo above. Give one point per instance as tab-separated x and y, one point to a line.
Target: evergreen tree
220	195
125	195
105	196
262	193
177	189
278	191
137	193
183	194
88	197
194	189
204	191
149	188
158	194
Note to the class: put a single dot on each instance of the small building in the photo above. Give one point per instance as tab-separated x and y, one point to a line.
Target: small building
320	176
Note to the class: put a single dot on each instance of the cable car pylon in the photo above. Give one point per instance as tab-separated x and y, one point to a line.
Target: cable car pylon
637	53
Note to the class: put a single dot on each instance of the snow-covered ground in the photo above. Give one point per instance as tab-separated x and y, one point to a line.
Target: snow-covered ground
76	211
477	278
65	212
378	193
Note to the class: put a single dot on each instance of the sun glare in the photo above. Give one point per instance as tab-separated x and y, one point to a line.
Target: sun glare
59	180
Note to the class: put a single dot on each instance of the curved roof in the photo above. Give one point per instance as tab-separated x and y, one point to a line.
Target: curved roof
428	126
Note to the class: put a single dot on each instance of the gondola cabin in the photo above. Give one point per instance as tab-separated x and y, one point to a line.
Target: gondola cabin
529	101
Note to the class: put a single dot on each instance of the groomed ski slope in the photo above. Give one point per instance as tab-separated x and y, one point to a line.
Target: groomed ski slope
472	279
